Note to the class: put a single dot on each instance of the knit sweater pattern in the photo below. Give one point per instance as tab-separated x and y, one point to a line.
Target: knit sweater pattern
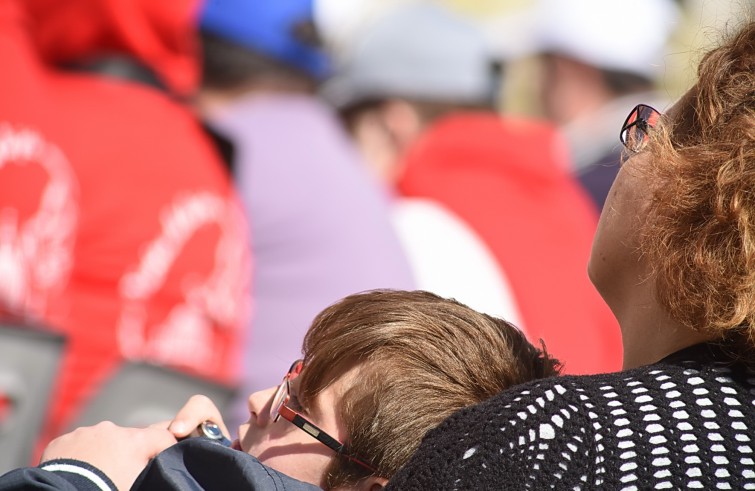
686	422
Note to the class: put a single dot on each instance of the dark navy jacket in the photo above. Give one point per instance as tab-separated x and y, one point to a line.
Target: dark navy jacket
193	464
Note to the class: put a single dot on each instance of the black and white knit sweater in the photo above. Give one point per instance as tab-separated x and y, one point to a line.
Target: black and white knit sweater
687	422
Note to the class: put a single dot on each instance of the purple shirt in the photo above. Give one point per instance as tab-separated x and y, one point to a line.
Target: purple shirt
320	224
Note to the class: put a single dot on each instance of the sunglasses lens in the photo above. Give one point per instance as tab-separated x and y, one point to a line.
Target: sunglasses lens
650	116
634	133
635	137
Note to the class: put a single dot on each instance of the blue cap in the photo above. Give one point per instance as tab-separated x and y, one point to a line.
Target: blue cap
267	27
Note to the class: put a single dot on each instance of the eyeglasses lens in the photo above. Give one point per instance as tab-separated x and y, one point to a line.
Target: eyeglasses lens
282	394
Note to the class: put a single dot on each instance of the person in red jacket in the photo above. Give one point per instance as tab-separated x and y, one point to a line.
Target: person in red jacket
118	224
418	92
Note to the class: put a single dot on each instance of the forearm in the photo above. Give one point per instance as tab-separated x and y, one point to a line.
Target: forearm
59	475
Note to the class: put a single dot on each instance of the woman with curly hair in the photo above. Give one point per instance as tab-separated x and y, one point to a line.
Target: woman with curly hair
674	258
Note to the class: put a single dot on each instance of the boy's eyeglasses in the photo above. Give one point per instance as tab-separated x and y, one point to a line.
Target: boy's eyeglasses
279	408
634	131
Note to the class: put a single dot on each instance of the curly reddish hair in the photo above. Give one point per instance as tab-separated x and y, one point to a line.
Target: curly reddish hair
699	233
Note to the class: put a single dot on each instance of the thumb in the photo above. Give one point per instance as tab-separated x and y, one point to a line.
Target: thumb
156	439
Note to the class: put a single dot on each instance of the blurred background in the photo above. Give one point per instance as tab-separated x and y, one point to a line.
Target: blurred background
511	29
184	185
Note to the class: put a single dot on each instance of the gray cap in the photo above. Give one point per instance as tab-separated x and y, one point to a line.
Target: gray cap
421	52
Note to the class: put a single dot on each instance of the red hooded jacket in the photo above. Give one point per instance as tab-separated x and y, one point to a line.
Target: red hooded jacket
508	179
159	34
118	224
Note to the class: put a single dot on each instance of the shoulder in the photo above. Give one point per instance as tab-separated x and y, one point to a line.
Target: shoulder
586	399
537	422
123	106
59	474
207	465
545	431
567	431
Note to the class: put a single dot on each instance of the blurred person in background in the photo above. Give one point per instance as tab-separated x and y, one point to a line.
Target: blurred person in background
596	63
338	22
446	255
320	225
417	91
118	224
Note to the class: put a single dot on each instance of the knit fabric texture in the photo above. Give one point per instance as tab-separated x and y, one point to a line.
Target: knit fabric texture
686	422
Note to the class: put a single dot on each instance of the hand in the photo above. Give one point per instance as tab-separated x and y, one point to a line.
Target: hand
121	453
196	411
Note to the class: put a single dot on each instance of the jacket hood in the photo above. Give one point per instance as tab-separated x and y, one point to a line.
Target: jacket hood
160	34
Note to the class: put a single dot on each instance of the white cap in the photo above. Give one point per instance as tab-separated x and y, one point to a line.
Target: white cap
417	51
618	35
339	22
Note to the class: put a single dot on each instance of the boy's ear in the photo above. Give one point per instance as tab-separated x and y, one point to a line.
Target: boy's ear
372	483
